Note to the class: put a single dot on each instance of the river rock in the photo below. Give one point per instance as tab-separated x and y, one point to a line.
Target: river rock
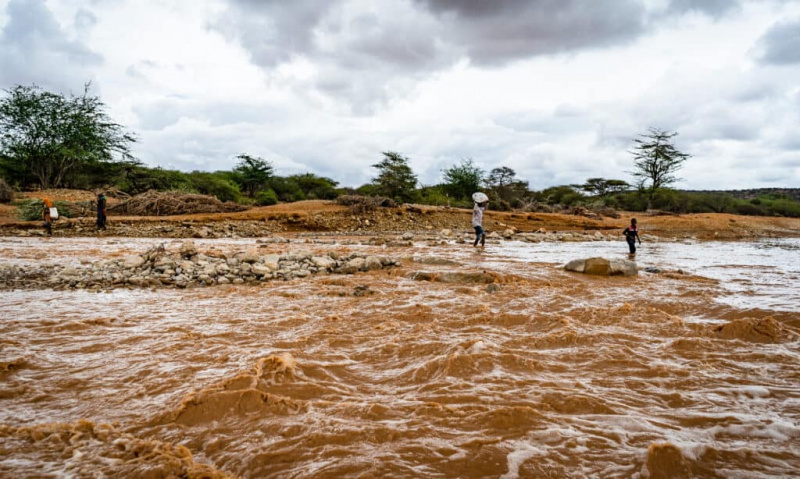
188	249
356	263
250	256
270	261
323	262
261	270
603	267
132	262
372	263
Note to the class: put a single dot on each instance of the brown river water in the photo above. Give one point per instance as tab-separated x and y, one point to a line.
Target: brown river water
553	374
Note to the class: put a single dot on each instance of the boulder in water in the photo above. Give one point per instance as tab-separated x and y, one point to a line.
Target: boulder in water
603	267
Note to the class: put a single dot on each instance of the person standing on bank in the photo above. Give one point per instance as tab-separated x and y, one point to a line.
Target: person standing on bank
101	211
477	219
631	235
46	217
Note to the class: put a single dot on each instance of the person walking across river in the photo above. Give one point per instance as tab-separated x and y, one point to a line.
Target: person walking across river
631	235
47	205
101	211
481	201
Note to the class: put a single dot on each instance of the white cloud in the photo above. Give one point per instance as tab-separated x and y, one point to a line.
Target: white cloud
328	89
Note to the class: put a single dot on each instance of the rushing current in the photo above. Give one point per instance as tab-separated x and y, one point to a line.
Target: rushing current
690	373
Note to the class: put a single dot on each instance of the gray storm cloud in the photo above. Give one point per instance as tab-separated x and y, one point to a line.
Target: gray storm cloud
780	45
34	49
555	89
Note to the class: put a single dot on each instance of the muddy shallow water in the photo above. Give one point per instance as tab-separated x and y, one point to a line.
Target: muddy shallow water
551	375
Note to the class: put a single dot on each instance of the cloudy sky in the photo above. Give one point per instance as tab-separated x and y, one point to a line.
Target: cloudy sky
555	89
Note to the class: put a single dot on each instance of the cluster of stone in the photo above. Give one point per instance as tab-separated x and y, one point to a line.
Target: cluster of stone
188	267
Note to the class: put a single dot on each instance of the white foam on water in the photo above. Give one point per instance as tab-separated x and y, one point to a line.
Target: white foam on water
522	451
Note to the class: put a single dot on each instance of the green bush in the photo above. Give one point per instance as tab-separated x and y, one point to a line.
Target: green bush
29	210
748	209
214	184
266	198
435	195
785	207
562	195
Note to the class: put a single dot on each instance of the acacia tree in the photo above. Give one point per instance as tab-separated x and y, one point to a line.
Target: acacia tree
254	173
502	181
602	187
395	177
463	179
45	135
655	162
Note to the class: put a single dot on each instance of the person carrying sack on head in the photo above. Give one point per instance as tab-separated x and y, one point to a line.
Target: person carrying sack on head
481	201
101	211
47	205
631	235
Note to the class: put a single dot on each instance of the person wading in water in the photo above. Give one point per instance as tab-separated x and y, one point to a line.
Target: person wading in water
477	222
48	220
631	235
101	211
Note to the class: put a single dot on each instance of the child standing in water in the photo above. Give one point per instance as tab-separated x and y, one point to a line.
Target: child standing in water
631	235
477	222
48	220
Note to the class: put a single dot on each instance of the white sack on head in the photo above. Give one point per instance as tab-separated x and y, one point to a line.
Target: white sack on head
479	197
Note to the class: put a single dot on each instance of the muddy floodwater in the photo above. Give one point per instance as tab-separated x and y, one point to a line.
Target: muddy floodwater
690	372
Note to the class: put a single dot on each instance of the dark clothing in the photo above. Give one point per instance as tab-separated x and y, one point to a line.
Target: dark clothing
631	235
480	235
101	212
632	246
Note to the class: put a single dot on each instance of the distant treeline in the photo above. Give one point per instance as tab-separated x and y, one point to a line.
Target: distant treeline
753	193
253	182
51	140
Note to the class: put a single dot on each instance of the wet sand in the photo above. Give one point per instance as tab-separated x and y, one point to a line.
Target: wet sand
544	374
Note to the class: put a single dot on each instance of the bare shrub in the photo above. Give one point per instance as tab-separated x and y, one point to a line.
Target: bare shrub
361	204
154	203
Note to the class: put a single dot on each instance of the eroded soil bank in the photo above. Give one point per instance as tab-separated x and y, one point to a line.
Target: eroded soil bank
456	362
326	216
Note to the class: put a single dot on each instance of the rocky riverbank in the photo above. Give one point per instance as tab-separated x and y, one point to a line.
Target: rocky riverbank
187	267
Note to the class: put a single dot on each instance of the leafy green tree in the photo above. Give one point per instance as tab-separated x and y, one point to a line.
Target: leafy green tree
315	187
395	177
461	180
560	195
655	162
45	135
254	172
138	178
215	184
602	187
286	189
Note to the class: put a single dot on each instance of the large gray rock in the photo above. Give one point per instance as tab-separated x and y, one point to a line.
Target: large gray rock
603	267
372	263
324	262
271	261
